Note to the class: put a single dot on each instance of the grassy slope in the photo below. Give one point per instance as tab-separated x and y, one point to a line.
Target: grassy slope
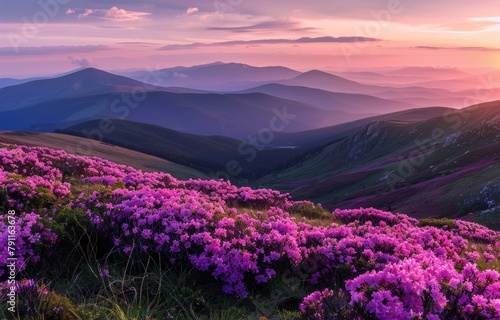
349	173
206	153
104	150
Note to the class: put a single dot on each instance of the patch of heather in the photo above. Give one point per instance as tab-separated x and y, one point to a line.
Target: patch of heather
383	265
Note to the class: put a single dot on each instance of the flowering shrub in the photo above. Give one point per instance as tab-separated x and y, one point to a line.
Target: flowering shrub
313	306
426	287
372	215
476	232
30	236
390	265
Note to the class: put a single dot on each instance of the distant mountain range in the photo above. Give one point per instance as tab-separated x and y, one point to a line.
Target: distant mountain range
57	103
350	102
216	76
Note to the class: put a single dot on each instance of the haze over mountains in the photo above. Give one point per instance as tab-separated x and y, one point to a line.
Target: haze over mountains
316	99
94	94
217	76
335	138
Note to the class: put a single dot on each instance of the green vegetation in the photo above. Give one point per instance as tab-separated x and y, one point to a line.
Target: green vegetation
438	223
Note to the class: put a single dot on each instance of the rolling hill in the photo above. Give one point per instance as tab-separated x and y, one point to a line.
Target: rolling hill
410	94
213	153
319	137
87	147
234	115
7	82
83	82
364	105
221	157
443	166
214	76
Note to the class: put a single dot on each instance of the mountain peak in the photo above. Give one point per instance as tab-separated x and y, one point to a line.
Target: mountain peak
88	80
94	76
90	71
318	74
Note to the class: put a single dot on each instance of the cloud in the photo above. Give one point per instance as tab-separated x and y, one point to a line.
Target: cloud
133	43
459	48
117	27
137	44
469	25
264	26
114	14
326	39
85	63
404	12
47	50
204	17
86	13
487	19
192	10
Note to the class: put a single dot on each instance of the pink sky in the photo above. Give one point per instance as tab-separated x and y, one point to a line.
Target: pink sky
63	35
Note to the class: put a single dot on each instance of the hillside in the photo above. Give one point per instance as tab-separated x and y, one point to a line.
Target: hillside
82	82
354	103
83	146
210	154
319	137
408	167
99	240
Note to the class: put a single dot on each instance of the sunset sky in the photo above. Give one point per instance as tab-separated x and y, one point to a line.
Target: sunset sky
50	36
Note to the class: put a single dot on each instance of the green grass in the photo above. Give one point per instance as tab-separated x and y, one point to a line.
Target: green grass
438	223
482	264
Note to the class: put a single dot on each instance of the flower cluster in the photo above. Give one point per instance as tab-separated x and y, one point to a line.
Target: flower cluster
30	234
313	306
189	225
476	232
389	265
426	287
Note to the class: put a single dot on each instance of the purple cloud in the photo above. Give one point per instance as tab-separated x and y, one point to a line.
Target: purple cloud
458	48
267	25
326	39
85	63
48	50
